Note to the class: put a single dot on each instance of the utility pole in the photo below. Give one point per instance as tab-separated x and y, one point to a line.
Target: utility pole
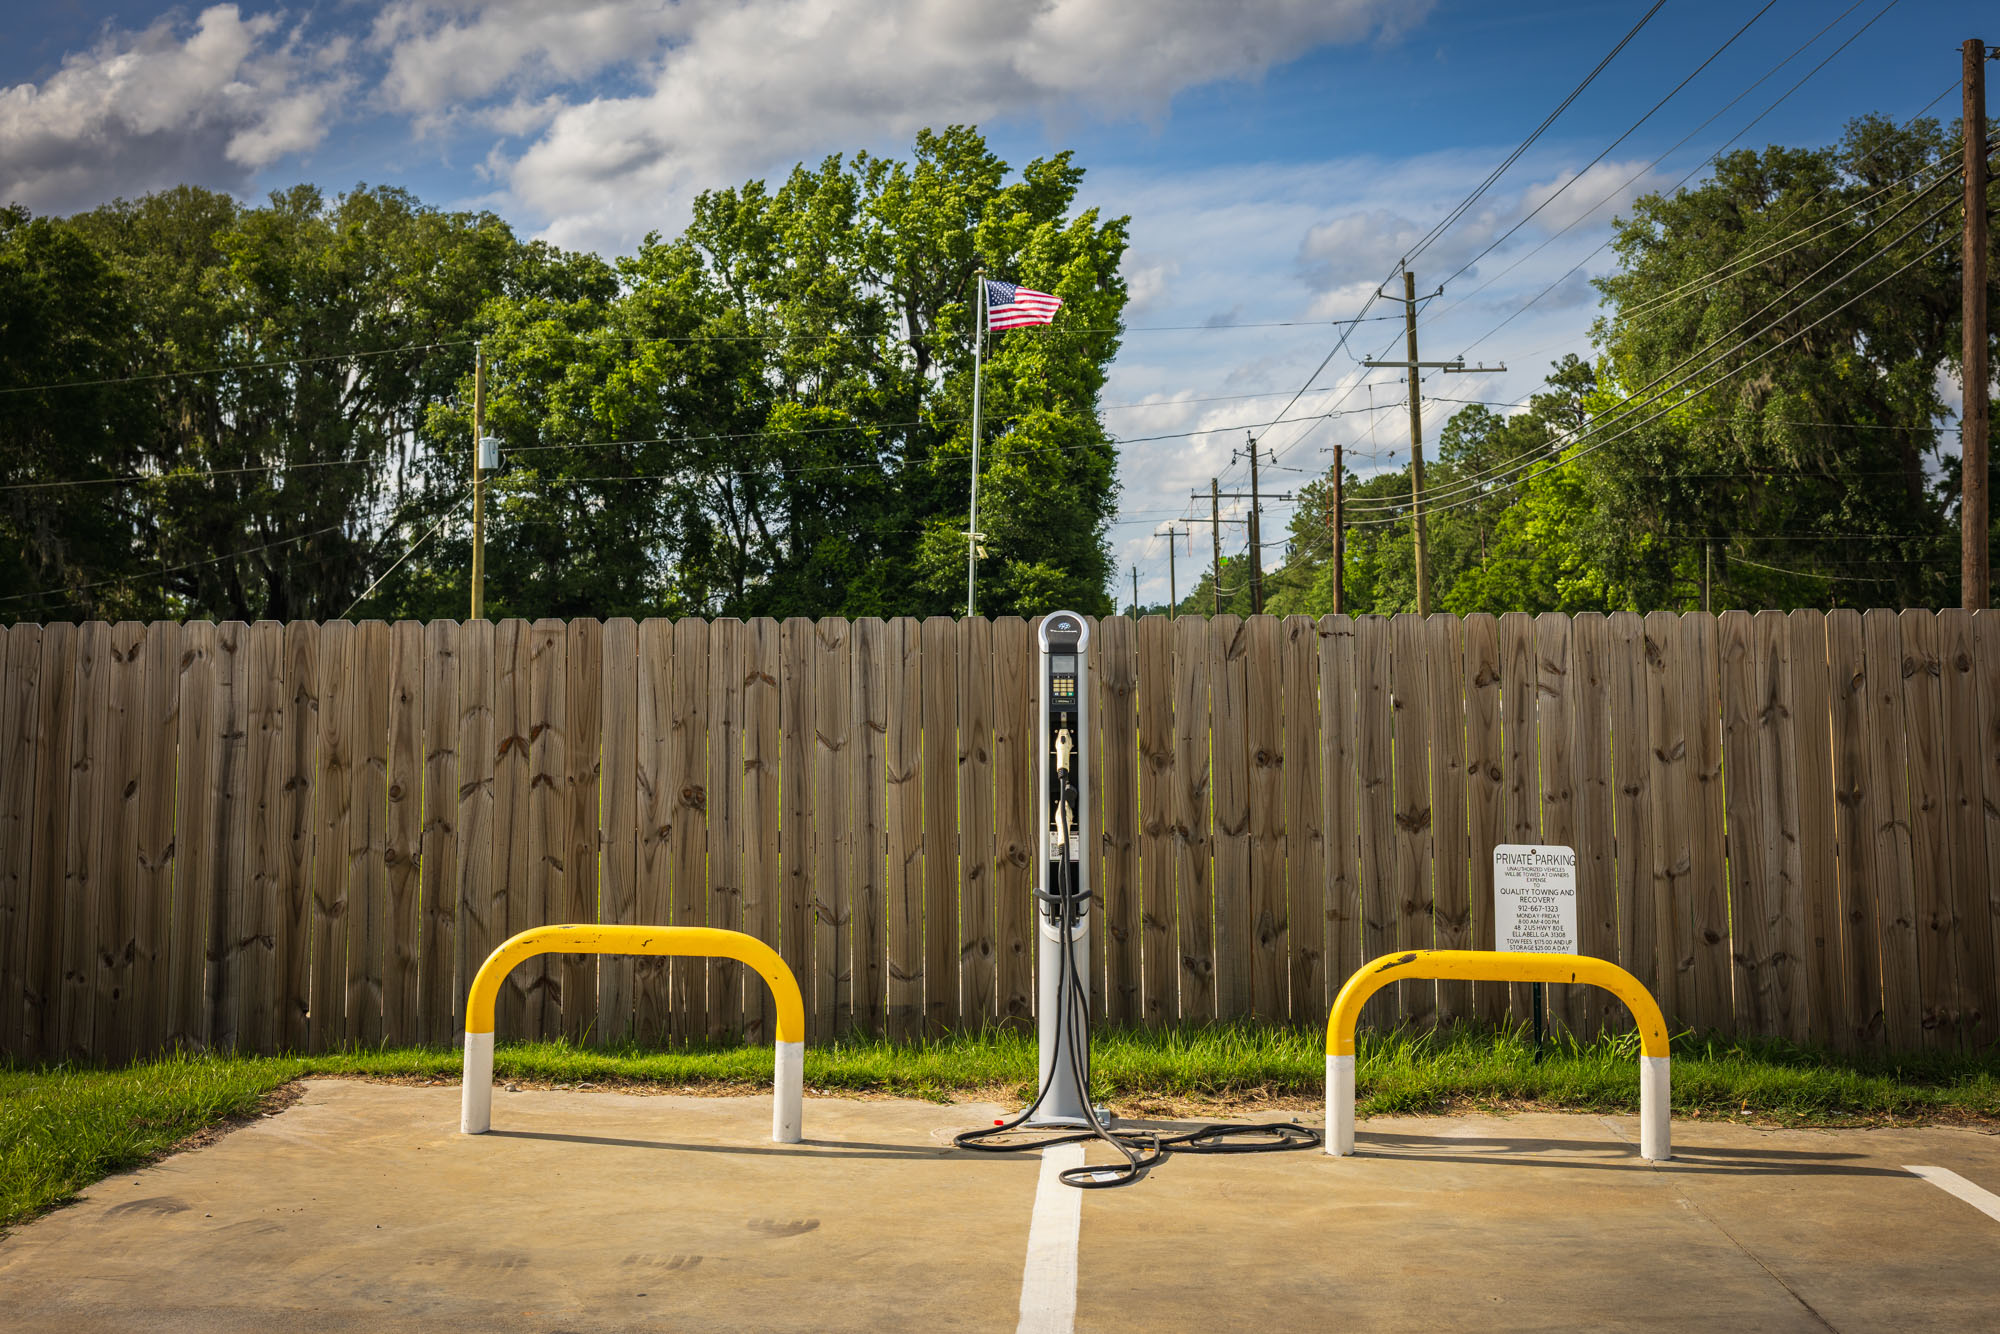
478	481
1215	522
1215	530
1339	535
1410	362
1135	590
1256	534
1215	498
1974	580
1173	588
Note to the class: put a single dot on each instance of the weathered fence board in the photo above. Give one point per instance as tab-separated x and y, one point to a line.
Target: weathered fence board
1117	652
255	937
1485	751
1305	839
20	750
1158	965
619	784
114	1019
309	836
868	727
758	842
403	833
1590	757
940	799
832	903
652	974
725	813
1374	702
904	822
1632	803
1193	848
1819	860
1451	902
1888	766
582	795
976	962
687	818
1014	831
437	867
481	913
1410	731
1964	733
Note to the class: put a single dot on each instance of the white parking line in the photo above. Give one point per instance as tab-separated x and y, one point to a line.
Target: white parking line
1048	1282
1985	1201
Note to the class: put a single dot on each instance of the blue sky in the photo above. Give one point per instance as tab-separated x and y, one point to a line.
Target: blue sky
1276	156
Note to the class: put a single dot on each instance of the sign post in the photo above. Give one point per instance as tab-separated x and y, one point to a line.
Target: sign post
1534	906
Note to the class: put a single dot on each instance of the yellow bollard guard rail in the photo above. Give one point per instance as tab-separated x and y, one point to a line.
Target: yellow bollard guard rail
1655	1082
476	1106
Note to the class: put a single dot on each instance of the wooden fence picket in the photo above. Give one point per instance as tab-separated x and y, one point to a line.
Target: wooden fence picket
403	832
1305	837
904	823
1485	749
687	817
832	884
582	793
1855	808
1967	897
763	885
1411	899
978	975
1590	755
1819	886
940	816
725	815
1192	814
868	727
267	851
114	1013
437	866
619	786
1118	771
1451	895
20	763
1014	830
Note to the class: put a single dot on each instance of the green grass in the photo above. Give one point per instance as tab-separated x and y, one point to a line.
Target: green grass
63	1128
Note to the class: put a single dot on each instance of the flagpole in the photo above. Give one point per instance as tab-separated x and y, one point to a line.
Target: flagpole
972	520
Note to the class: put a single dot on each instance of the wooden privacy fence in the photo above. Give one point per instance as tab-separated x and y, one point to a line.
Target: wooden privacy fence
308	836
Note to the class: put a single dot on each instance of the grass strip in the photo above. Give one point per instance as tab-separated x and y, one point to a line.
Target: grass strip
63	1128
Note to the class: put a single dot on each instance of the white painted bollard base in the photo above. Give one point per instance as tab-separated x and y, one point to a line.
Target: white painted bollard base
1340	1105
475	1108
1656	1109
788	1086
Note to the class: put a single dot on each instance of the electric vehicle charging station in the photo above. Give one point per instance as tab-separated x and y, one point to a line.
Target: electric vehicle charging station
1061	1107
1062	892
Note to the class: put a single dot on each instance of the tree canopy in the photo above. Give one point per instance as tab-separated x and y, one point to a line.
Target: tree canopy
266	411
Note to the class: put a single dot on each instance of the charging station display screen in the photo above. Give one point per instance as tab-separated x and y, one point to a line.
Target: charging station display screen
1063	662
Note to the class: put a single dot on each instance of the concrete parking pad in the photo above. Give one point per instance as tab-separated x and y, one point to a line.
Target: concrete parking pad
361	1208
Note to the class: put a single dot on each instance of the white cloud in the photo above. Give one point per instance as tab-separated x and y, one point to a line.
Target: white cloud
745	85
148	109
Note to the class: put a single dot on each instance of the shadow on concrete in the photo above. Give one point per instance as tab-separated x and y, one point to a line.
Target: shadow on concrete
1611	1155
812	1148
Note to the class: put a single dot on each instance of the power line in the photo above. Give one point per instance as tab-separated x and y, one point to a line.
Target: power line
1606	151
1595	445
1633	402
1779	100
150	575
1429	238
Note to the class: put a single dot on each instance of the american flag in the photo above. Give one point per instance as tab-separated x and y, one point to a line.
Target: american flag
1012	307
